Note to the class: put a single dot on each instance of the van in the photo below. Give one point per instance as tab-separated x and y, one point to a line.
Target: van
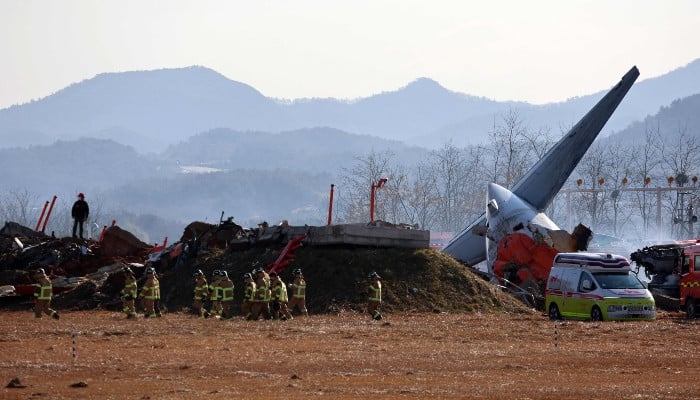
596	286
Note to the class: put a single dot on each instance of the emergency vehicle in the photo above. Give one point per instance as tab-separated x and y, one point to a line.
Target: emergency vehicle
596	286
674	270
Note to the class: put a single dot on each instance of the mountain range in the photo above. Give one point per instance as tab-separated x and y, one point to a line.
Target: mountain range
150	110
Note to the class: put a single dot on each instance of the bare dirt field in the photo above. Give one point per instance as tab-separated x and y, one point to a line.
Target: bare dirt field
412	355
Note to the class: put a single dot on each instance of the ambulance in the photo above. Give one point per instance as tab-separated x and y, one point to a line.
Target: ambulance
596	286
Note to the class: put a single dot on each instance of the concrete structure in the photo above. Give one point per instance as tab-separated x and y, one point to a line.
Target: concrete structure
376	235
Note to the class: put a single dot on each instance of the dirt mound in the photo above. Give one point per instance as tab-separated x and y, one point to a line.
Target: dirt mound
422	280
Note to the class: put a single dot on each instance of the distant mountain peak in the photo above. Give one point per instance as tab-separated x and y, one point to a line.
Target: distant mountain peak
424	86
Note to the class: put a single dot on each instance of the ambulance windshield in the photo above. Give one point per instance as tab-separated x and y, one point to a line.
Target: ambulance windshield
617	280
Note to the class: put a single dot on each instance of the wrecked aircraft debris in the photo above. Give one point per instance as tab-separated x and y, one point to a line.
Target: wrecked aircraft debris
85	273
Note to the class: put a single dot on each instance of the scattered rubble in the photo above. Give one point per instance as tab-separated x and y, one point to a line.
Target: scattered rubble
86	273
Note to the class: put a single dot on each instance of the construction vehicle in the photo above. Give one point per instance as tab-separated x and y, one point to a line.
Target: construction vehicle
674	273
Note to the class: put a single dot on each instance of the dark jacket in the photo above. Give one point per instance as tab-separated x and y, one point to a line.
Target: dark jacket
80	210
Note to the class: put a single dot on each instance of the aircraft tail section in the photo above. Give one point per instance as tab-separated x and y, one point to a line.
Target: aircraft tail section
544	180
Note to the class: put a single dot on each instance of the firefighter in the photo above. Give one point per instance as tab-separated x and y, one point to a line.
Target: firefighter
226	286
129	293
42	295
297	289
201	292
278	298
261	303
260	273
215	308
374	299
248	296
156	301
150	293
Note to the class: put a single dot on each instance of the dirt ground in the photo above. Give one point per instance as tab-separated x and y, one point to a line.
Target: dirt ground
406	355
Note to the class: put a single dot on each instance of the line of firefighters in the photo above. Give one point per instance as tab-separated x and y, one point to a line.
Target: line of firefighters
265	295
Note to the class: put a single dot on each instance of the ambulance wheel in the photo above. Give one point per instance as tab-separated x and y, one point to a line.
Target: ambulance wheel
554	312
691	308
596	314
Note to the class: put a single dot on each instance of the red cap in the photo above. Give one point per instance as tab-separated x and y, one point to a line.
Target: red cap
82	196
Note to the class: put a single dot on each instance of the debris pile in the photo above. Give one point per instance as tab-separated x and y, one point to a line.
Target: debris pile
86	274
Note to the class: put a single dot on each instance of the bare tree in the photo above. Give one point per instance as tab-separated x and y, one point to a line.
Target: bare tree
590	205
618	160
392	201
354	194
19	206
448	168
681	156
645	161
421	198
510	150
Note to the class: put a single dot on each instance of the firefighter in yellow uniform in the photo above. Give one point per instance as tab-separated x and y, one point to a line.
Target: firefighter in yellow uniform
261	304
374	299
129	293
278	300
201	292
215	309
150	293
297	291
42	295
248	295
156	302
260	273
226	286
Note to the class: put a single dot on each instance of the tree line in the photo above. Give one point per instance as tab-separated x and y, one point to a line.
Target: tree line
447	191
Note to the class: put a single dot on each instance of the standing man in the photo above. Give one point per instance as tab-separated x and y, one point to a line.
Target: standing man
150	292
79	212
298	291
201	291
374	299
129	293
42	295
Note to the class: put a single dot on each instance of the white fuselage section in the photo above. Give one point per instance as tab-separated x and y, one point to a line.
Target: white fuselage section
507	213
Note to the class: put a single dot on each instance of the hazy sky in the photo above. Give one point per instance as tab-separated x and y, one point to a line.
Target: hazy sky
536	51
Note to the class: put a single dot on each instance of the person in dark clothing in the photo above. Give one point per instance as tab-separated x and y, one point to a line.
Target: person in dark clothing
80	214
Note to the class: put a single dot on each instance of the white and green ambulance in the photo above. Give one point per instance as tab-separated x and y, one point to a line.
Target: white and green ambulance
598	287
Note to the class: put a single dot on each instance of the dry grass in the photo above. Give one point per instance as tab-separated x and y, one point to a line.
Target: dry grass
411	355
